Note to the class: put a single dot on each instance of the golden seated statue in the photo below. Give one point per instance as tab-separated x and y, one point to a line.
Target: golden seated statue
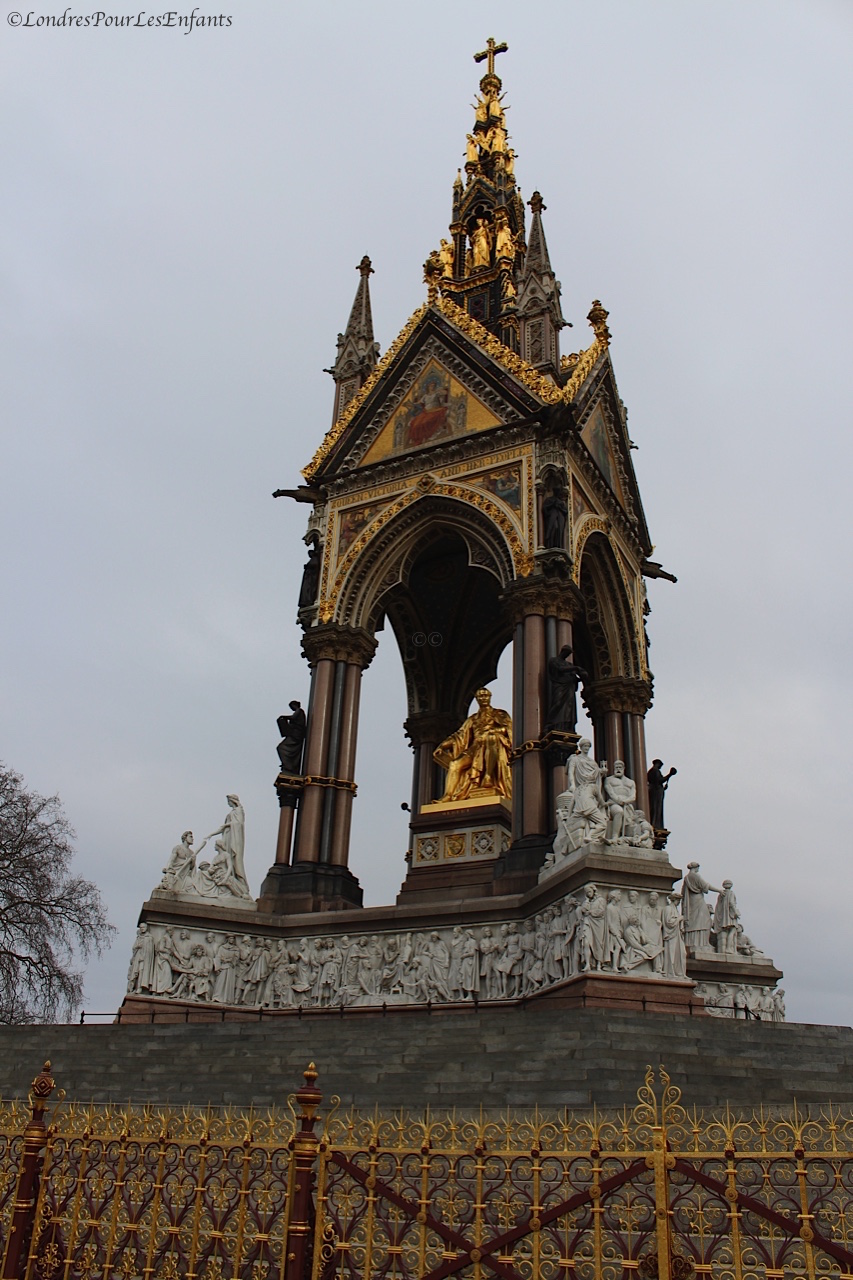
476	756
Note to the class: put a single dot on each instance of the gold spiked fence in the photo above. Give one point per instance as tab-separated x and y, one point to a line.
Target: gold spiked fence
658	1191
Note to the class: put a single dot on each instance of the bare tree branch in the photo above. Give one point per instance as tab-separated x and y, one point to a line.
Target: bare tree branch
49	918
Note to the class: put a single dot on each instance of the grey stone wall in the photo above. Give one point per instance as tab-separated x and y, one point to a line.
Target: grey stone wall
491	1057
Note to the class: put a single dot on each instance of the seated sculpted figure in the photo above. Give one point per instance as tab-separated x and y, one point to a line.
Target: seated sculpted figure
581	815
476	756
621	794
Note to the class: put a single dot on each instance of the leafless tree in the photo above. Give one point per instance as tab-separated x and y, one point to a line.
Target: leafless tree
50	919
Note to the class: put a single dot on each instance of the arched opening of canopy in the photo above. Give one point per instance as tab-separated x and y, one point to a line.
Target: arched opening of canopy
435	572
605	640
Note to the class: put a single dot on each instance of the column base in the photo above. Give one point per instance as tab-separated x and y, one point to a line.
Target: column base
309	886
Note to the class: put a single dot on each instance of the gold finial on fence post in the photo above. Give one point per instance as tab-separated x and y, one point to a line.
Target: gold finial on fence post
300	1191
24	1208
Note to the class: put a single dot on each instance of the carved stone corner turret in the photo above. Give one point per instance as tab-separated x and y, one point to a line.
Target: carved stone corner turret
618	693
542	594
338	643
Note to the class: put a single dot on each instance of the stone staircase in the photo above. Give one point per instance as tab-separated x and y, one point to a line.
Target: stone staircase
493	1057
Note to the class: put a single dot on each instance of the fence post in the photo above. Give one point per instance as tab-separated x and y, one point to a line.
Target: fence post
26	1192
300	1225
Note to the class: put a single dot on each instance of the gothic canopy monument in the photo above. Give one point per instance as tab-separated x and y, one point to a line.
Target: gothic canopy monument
475	491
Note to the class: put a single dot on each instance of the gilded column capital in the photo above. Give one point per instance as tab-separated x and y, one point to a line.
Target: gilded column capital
538	594
338	643
618	693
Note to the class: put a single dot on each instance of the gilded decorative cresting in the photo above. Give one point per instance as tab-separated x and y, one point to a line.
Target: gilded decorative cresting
547	390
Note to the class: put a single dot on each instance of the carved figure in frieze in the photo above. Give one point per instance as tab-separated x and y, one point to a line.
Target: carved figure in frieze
563	680
741	1003
509	963
615	943
621	792
697	917
717	998
779	1002
311	572
637	950
140	977
164	957
674	950
245	952
554	936
651	926
225	971
658	783
202	968
454	984
469	966
330	973
255	973
476	756
391	977
282	975
527	940
408	967
571	954
179	871
292	729
765	1005
182	950
726	920
489	976
594	941
439	967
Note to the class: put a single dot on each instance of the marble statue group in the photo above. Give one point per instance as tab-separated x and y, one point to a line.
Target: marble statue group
597	808
224	876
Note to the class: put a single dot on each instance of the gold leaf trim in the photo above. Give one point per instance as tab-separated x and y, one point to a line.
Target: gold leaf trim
334	434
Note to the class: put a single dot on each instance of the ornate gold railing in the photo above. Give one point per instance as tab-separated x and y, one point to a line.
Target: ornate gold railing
658	1191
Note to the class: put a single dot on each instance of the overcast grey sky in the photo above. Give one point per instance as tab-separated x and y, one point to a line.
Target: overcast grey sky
181	220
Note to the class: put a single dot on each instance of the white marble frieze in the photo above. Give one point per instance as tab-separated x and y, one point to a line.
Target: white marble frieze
615	931
743	1000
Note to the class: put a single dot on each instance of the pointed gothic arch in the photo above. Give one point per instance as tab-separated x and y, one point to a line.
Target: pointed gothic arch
609	630
435	571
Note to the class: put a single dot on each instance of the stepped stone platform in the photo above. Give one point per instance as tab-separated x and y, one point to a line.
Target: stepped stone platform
553	1057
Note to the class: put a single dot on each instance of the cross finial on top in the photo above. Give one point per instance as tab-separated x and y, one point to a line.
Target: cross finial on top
490	51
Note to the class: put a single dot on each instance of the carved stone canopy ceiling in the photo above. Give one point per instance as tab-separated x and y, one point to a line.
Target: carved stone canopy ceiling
449	625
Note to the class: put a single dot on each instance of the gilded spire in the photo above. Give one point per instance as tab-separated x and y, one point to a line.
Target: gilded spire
357	352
